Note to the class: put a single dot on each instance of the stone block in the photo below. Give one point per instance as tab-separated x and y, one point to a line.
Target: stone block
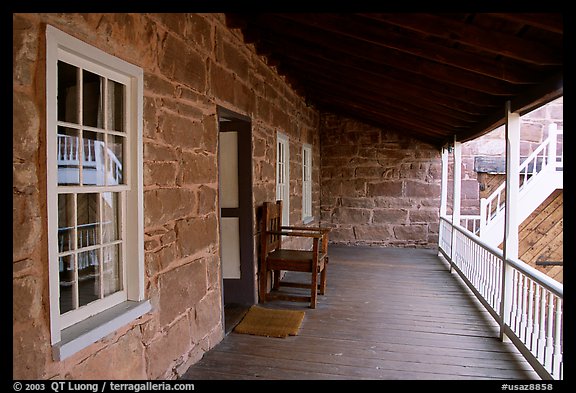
346	215
127	351
166	204
165	353
195	234
221	83
26	224
357	202
197	168
181	289
390	216
208	313
160	173
181	63
424	216
411	232
25	127
386	188
24	50
206	200
235	59
423	190
342	235
157	152
27	299
373	233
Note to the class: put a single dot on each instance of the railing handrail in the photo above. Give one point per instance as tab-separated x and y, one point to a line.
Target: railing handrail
547	282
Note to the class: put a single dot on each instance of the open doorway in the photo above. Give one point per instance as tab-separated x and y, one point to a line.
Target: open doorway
236	216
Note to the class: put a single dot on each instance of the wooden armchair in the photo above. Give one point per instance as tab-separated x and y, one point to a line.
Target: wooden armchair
274	258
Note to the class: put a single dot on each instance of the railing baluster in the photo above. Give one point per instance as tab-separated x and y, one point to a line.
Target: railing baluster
557	358
549	339
536	330
530	321
542	332
524	300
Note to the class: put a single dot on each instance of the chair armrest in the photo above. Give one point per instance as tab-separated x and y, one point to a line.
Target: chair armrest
314	229
317	235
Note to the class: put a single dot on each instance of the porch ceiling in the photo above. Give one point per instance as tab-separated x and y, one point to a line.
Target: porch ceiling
428	75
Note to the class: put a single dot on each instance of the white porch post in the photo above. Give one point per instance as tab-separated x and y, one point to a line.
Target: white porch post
511	224
444	186
457	173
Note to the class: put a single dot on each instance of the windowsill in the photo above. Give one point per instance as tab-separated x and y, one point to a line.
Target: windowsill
308	220
87	332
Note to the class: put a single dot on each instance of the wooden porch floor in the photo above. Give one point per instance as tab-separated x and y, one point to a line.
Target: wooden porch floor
388	313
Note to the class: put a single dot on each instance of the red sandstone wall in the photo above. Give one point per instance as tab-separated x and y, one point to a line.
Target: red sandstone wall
379	187
192	63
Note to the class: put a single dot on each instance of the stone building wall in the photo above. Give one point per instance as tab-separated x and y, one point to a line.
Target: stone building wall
191	63
379	187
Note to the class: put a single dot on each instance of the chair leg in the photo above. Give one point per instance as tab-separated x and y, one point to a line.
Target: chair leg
323	280
314	289
277	279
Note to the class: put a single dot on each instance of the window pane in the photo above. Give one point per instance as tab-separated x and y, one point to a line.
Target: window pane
115	159
88	277
112	279
94	161
67	156
92	99
110	217
115	106
88	220
67	92
65	222
66	283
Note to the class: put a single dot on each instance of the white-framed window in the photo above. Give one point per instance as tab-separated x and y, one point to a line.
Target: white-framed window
94	192
283	175
307	183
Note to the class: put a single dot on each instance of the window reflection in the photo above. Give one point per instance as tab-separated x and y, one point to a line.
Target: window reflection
92	100
67	93
88	277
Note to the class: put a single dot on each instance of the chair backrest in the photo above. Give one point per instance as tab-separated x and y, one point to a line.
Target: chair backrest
271	221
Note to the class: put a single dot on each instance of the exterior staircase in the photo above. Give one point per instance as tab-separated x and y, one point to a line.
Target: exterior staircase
541	174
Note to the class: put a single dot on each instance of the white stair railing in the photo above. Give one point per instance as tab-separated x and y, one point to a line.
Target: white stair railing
543	161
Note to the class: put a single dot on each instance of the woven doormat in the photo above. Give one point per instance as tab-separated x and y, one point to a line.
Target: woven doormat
260	321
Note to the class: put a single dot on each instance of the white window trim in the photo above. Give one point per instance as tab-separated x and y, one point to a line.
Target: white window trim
307	216
66	341
283	194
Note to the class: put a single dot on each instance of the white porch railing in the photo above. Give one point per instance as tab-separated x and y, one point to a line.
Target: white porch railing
531	316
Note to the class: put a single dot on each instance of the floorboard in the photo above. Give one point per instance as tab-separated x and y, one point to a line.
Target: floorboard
387	314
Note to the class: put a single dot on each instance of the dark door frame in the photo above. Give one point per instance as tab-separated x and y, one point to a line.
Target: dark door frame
243	290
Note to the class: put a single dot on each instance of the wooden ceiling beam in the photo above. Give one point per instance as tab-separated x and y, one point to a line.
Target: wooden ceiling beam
368	30
323	87
394	81
428	135
552	22
483	39
392	59
394	90
435	125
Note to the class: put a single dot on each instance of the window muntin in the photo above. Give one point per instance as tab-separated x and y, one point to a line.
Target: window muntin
307	182
283	175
